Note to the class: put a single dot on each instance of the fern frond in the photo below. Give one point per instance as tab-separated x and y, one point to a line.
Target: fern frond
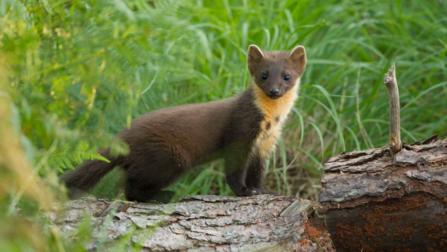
68	160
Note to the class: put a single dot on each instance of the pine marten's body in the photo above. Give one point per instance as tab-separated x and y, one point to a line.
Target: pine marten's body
243	130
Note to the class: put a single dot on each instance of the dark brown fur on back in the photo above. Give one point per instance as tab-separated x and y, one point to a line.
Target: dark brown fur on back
164	144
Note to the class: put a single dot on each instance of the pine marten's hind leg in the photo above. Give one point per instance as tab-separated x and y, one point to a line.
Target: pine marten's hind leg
155	169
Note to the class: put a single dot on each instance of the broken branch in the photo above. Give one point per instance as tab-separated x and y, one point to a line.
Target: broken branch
393	96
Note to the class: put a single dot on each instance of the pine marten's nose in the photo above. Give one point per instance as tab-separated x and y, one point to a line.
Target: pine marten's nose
274	91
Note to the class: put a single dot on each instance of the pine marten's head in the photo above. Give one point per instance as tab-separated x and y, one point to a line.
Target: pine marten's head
275	73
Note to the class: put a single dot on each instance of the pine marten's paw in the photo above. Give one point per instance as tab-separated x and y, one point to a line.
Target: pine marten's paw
250	191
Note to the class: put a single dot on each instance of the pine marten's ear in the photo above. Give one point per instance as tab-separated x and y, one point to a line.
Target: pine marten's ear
298	58
254	57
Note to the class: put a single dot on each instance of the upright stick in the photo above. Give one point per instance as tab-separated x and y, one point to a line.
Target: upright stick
393	96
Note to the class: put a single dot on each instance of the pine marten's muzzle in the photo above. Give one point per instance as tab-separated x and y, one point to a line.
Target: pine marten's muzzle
274	93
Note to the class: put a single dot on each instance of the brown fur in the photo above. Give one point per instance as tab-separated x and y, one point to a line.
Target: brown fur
243	130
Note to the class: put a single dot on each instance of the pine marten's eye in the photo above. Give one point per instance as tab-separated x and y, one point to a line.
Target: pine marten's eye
286	77
264	76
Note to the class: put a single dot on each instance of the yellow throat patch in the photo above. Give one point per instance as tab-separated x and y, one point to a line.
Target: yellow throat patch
275	114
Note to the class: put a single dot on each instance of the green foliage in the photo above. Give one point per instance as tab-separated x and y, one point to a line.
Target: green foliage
82	70
109	186
66	160
79	71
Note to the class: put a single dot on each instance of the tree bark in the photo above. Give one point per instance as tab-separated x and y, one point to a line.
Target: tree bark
201	223
373	201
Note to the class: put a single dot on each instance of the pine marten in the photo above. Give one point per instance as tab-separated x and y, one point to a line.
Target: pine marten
242	130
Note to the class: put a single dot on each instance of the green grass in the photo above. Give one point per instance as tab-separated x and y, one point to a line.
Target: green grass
80	71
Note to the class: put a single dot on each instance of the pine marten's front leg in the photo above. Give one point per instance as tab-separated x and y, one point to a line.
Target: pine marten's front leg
236	164
255	175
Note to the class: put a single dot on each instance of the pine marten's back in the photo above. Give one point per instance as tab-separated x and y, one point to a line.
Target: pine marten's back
196	129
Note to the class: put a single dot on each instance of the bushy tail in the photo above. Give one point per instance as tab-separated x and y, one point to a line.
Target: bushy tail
89	173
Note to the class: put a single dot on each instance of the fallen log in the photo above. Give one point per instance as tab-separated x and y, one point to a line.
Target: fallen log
201	223
388	199
374	202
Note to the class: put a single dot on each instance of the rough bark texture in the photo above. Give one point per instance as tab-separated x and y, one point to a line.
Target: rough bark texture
393	97
202	223
376	202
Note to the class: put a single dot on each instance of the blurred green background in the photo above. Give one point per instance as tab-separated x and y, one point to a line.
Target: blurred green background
74	73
